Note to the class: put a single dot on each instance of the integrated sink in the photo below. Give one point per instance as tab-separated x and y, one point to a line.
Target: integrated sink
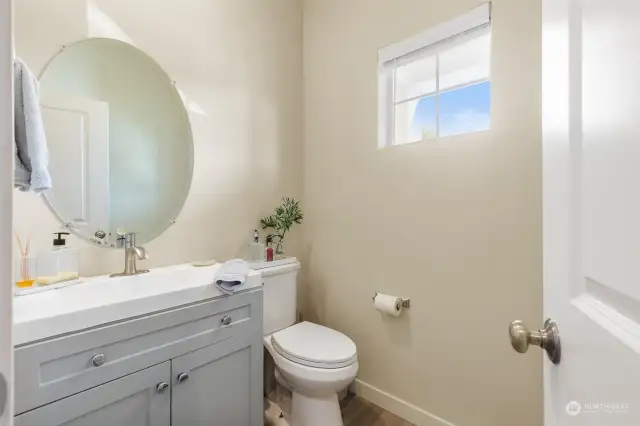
103	299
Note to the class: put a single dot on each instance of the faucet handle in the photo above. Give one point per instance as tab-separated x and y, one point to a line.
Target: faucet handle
126	239
130	239
120	241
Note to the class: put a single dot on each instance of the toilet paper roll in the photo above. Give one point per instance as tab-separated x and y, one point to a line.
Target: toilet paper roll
390	305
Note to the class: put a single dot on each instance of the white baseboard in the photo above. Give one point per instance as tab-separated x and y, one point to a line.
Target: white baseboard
397	406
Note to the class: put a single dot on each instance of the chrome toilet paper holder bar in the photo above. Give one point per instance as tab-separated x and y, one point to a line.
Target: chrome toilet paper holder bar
406	303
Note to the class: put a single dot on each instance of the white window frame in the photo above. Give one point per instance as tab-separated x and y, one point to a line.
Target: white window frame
441	37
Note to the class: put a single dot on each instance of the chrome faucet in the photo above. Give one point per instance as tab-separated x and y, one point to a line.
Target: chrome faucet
132	253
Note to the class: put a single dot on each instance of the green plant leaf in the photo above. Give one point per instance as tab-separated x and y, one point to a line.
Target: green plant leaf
286	215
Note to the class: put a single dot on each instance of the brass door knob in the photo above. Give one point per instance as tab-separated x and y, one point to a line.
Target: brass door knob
548	339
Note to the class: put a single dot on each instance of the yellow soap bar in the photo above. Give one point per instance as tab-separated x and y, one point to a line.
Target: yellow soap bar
67	276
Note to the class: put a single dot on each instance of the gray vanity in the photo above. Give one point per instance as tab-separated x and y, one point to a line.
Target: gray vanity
141	348
194	364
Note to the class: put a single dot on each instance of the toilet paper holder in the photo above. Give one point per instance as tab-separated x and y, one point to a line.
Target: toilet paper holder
406	303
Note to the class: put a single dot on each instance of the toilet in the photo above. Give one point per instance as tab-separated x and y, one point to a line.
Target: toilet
313	361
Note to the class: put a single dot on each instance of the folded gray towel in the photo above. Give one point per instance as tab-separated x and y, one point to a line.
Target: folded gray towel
32	156
231	276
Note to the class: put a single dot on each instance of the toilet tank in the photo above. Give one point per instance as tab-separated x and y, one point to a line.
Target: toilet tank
279	290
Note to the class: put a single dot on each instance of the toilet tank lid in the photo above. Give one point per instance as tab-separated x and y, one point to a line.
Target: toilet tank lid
315	345
275	267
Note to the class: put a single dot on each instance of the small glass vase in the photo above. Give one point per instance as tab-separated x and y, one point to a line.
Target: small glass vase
26	271
279	250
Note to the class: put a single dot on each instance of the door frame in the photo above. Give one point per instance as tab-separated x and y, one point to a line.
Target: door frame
561	135
6	202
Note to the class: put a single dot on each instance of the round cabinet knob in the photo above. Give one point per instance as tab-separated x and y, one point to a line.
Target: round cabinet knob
548	339
162	387
98	360
226	320
183	377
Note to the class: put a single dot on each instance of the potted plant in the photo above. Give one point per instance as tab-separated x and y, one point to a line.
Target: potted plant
286	215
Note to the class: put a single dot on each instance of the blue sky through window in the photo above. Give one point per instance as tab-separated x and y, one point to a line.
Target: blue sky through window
424	119
463	110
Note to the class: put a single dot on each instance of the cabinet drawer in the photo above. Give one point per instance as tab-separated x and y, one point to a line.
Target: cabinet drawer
53	369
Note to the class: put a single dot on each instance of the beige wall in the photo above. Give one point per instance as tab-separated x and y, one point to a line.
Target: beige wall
453	224
240	62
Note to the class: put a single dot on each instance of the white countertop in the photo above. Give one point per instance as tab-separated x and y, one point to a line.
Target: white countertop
101	300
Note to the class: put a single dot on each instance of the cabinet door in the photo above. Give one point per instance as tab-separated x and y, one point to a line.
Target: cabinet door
134	400
220	385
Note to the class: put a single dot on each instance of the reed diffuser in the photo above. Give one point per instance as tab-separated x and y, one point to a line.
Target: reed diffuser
25	268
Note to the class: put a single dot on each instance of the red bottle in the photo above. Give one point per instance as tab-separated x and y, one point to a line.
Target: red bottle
269	250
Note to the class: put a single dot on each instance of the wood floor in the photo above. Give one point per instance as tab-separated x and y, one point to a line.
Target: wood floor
355	412
359	412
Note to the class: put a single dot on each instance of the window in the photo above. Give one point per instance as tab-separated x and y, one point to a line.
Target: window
437	84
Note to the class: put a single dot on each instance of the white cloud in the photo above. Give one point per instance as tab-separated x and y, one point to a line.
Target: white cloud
464	122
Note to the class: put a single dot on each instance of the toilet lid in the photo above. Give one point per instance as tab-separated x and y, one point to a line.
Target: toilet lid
315	346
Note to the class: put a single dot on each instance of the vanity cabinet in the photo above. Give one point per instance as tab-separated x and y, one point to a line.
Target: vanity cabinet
215	383
194	365
135	400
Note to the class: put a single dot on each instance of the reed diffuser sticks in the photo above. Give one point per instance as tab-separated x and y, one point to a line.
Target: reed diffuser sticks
25	276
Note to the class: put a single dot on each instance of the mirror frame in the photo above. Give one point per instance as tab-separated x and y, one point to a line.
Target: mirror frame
70	226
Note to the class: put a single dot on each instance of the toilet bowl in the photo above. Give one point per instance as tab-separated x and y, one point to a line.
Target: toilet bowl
315	363
312	361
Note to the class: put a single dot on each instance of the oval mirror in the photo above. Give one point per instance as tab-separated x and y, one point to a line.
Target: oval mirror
120	142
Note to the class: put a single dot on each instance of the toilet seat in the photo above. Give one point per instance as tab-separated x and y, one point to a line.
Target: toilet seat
314	345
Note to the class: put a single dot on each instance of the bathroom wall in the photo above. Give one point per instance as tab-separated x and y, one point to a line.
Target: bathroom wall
238	65
6	201
454	224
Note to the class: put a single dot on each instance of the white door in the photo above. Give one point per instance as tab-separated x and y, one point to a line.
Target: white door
78	137
591	129
6	212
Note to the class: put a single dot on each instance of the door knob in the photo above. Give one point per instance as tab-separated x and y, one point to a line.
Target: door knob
548	338
226	320
162	387
183	377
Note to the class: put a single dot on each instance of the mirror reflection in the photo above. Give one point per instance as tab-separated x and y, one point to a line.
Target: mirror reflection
121	149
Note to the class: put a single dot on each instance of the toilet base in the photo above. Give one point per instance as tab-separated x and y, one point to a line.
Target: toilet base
319	411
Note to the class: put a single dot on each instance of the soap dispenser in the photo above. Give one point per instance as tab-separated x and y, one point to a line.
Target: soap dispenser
269	249
58	264
256	250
